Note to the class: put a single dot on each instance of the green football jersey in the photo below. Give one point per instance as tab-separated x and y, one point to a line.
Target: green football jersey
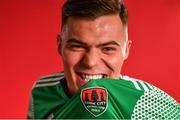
125	98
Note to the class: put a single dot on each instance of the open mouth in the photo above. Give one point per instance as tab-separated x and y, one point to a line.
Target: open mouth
87	77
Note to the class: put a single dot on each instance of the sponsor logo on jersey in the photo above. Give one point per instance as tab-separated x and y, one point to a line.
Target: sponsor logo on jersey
95	100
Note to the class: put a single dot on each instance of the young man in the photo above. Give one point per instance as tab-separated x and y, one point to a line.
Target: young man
93	45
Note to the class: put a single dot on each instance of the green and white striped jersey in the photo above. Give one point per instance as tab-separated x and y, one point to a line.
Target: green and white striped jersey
126	98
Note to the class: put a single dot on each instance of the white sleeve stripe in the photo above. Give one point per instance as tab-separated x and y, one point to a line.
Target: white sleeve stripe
150	86
139	84
50	79
144	86
136	85
52	75
133	81
47	84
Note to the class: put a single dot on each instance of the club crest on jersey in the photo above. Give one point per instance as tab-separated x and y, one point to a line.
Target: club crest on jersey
94	100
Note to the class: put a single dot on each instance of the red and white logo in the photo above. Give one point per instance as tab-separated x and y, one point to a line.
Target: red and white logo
94	100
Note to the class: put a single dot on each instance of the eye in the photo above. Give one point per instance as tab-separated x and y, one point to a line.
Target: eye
109	49
76	47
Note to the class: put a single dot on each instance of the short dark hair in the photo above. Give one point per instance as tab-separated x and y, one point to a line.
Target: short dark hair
92	9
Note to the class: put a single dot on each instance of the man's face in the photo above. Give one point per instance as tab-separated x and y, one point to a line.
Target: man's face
92	49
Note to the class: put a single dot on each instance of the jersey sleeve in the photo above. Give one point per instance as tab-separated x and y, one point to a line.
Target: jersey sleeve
156	104
30	114
46	96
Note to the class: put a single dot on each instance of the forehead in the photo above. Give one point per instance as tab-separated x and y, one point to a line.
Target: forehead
104	22
104	27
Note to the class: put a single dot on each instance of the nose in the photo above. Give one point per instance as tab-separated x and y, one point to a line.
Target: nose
91	58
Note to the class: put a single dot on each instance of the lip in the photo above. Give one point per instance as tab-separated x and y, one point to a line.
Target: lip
79	73
81	81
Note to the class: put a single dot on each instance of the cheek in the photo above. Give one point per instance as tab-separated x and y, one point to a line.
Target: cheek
115	62
70	59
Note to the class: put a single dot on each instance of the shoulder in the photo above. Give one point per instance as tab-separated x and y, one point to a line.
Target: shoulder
47	88
138	84
49	80
149	89
154	103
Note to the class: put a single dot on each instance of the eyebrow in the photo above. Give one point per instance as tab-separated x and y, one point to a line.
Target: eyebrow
72	40
112	42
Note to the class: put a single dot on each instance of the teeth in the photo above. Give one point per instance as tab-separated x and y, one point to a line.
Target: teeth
88	77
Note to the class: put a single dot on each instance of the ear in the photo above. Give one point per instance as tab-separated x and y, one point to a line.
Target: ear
59	42
128	46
